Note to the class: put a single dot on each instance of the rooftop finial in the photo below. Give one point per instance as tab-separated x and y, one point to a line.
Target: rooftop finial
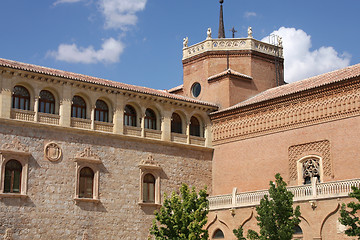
221	21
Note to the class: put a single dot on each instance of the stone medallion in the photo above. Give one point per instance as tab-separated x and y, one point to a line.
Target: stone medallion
52	152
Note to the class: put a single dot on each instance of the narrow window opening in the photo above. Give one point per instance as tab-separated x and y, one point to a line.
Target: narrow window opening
86	183
311	169
150	119
149	188
12	181
194	127
176	123
21	98
101	111
78	108
46	102
129	116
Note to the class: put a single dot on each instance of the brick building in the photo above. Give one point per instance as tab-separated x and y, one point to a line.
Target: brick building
88	158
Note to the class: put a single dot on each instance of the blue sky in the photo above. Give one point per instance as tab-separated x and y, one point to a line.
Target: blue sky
140	41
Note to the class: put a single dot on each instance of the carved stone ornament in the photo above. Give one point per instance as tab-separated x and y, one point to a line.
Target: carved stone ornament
85	236
89	156
149	163
52	152
15	146
8	234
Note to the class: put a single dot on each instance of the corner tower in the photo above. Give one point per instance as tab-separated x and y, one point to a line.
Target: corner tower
227	71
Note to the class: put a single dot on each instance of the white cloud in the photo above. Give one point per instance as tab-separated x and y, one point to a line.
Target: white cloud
65	1
121	13
301	62
110	52
250	14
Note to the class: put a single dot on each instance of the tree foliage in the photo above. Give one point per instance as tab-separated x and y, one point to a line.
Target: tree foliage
351	218
276	216
239	234
182	217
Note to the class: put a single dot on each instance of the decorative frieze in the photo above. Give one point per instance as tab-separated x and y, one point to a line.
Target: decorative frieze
300	112
232	44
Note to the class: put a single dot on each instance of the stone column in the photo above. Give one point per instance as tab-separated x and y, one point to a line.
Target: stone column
118	118
142	124
187	131
65	107
207	135
5	96
92	117
36	108
166	126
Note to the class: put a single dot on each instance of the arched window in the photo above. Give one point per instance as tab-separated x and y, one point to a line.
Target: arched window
311	169
46	102
176	123
12	181
78	107
150	119
21	98
86	183
101	111
194	127
129	116
218	234
298	233
149	188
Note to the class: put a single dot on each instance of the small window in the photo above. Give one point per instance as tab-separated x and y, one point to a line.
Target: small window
101	111
194	127
150	119
46	102
129	116
218	234
12	181
176	123
86	183
196	89
149	188
311	169
21	98
78	108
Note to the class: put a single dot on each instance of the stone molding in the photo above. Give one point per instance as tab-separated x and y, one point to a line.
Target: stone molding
322	148
88	155
232	44
299	112
15	146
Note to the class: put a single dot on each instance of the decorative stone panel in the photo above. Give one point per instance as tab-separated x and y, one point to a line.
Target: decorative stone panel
321	148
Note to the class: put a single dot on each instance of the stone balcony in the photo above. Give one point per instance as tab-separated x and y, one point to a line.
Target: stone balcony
310	192
232	44
110	128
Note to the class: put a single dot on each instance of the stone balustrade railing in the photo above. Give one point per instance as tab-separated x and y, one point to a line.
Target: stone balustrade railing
232	44
301	193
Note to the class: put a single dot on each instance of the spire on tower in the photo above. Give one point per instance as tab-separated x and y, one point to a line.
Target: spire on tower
221	21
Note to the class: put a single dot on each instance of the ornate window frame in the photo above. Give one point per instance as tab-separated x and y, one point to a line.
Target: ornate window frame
149	166
91	160
300	168
14	151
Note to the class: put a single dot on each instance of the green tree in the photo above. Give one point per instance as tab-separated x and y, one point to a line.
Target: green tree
351	218
239	233
276	216
182	217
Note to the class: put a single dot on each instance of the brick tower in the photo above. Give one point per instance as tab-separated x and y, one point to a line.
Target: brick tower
227	71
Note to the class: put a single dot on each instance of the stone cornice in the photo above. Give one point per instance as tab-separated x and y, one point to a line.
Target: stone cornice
299	111
232	44
236	53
